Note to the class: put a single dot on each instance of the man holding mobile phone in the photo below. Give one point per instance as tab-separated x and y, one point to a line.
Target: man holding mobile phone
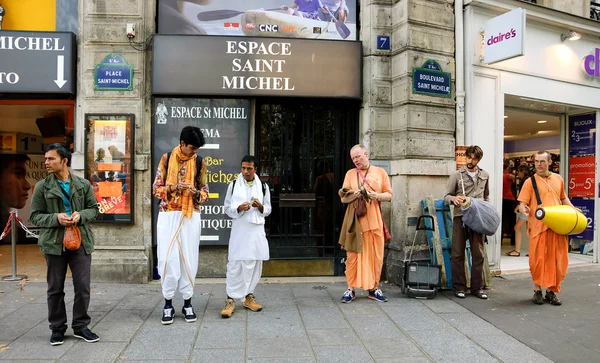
181	184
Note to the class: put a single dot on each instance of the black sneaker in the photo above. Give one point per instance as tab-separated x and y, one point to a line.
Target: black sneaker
538	299
167	316
86	335
188	314
552	298
57	338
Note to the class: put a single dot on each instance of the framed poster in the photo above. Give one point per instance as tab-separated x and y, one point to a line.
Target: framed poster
109	164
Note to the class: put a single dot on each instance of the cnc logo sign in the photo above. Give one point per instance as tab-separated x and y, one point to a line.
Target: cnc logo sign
272	28
591	63
504	36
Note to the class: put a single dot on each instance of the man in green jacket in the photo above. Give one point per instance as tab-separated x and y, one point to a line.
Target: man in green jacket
60	200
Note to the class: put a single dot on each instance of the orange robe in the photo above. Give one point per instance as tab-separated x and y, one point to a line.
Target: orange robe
548	251
363	270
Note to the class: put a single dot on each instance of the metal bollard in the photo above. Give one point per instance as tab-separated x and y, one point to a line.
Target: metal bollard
13	237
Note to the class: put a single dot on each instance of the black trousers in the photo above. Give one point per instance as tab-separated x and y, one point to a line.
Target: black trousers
79	263
509	218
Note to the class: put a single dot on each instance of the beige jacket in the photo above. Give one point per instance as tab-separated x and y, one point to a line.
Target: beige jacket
478	188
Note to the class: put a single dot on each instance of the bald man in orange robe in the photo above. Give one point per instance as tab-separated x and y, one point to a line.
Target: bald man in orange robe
548	251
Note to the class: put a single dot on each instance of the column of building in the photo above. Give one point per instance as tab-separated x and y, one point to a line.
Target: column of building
410	134
122	251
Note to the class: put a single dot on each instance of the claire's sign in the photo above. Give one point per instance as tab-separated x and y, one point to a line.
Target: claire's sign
591	63
245	66
430	80
504	36
113	74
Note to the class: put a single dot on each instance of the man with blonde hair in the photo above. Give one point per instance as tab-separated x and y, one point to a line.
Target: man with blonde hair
369	185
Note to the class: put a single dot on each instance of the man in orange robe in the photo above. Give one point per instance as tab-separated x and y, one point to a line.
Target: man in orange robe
548	251
371	183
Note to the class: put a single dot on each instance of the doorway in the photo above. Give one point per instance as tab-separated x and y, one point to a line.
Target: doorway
303	150
531	125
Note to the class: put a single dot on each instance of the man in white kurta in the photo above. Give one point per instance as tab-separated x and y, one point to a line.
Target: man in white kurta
247	202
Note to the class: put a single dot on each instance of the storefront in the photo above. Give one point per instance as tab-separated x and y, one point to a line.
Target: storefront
281	93
546	98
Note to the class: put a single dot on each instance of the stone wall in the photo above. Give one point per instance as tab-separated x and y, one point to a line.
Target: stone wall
414	133
122	251
575	7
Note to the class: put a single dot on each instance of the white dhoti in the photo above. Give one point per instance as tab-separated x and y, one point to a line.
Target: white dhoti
242	277
178	240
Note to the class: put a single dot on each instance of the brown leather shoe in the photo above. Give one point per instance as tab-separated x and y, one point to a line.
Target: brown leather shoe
250	303
228	309
552	298
538	299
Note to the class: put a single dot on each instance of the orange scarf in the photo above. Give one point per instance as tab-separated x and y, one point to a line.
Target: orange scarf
189	162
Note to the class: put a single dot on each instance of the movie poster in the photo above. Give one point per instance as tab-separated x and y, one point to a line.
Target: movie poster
307	19
108	166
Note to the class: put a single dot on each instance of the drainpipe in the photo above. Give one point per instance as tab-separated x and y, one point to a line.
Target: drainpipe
460	72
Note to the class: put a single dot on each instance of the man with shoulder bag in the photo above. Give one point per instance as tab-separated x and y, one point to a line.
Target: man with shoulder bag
63	205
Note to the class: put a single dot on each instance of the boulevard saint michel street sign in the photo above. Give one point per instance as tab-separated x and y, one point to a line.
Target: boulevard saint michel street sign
430	80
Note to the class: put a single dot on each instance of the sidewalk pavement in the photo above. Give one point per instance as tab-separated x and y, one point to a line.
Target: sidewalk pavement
566	333
300	322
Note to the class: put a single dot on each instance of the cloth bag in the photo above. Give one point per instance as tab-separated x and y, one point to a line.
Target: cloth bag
72	238
479	215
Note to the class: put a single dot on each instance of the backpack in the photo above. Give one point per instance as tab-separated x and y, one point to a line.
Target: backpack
264	188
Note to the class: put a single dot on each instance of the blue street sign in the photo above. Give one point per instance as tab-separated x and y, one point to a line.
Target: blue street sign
113	74
430	80
383	42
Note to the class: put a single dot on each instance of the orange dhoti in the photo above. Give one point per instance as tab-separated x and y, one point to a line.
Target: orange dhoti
363	269
548	259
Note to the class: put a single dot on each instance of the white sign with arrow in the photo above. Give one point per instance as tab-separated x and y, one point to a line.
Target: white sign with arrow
60	71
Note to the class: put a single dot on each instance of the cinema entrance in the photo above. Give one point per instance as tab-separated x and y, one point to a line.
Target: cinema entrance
303	149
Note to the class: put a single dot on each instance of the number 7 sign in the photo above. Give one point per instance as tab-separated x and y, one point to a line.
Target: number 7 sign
383	42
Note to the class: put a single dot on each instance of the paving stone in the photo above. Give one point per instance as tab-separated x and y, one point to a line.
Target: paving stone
218	355
21	321
415	318
120	325
157	341
374	326
329	318
508	349
333	337
449	345
102	305
316	302
140	300
404	360
275	324
221	334
441	304
360	306
391	348
100	352
342	354
35	344
315	289
278	348
470	324
282	360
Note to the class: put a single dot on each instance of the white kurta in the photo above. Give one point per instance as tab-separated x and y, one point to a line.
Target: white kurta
178	240
248	245
248	241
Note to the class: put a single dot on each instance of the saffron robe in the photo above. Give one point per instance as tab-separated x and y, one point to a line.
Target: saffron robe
548	251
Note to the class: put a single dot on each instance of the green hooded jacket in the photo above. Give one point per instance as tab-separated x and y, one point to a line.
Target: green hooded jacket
47	202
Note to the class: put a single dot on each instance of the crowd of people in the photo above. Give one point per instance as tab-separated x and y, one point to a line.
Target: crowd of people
63	201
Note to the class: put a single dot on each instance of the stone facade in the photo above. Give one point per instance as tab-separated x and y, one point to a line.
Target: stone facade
122	251
414	133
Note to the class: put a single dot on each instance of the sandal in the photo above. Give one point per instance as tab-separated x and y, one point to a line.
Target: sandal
513	253
459	294
481	294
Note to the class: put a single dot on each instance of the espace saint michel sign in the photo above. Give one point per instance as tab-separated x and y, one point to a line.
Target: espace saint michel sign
245	66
